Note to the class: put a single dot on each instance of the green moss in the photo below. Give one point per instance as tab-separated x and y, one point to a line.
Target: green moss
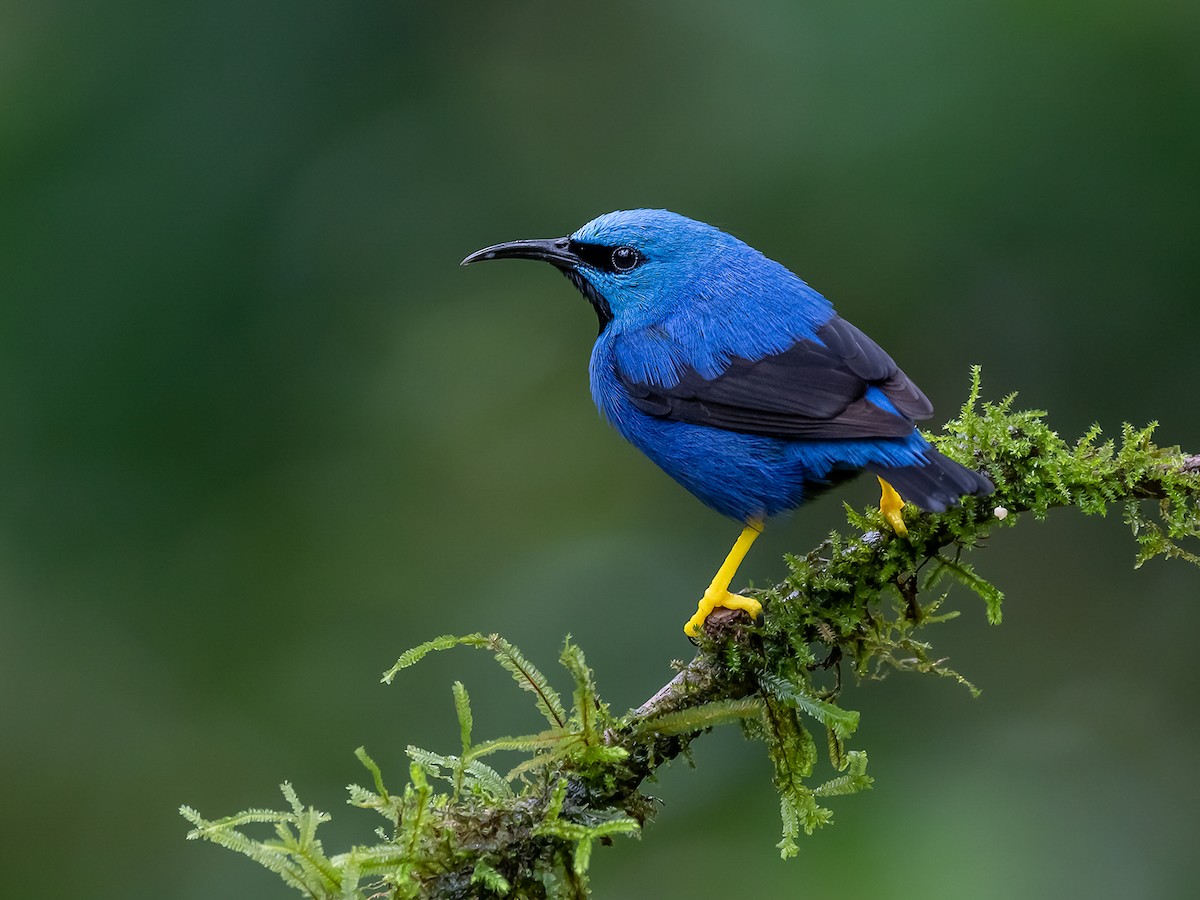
863	599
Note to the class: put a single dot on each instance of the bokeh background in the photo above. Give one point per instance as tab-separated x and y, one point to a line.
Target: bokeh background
261	433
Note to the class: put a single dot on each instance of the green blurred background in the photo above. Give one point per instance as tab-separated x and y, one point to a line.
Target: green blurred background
261	433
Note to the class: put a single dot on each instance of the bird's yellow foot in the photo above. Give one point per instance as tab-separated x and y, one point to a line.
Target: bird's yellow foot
718	593
891	504
712	600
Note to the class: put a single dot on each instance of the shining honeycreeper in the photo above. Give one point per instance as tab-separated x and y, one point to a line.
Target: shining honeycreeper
739	380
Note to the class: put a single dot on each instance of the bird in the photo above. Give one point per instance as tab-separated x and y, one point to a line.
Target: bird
739	380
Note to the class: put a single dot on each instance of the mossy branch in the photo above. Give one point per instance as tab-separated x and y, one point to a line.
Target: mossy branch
861	601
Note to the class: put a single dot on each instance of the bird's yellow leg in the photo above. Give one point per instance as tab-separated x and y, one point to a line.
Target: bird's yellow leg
718	593
890	504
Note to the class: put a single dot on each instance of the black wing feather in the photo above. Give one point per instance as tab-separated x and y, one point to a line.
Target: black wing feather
814	389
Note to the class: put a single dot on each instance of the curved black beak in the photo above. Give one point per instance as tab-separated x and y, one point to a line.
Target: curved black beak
556	251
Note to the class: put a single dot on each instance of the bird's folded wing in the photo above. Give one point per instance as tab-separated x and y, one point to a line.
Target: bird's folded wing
816	389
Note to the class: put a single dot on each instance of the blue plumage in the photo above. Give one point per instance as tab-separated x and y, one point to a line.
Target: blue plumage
734	376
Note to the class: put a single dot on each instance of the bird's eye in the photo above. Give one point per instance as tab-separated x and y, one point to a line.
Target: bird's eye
625	259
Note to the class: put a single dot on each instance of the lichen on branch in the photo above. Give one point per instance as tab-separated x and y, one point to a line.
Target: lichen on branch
860	603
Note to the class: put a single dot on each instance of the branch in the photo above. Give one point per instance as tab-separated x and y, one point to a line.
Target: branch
862	601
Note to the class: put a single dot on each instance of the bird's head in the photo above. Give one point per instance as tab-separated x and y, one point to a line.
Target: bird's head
638	267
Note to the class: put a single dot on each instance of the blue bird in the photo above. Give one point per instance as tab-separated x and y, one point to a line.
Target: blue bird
739	380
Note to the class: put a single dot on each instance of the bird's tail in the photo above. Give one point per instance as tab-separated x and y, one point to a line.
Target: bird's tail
937	485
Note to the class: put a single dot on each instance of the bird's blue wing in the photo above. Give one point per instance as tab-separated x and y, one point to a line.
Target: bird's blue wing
839	385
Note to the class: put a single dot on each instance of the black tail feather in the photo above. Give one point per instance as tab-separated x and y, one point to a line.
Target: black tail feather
936	486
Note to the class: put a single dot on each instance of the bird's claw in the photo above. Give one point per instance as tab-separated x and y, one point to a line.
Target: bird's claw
891	504
714	599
